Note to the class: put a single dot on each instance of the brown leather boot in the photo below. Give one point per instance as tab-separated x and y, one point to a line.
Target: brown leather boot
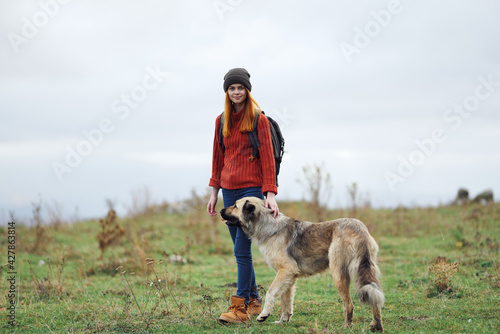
237	313
254	306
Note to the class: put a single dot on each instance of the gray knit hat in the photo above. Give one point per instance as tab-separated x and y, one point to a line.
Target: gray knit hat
237	75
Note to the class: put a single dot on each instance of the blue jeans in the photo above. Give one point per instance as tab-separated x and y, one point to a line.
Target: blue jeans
243	245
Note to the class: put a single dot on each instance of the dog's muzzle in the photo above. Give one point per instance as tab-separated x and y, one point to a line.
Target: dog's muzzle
230	221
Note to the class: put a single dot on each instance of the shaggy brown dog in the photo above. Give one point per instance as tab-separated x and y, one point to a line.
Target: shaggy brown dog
296	248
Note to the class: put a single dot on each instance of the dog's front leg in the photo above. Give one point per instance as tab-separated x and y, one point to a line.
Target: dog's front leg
283	281
287	304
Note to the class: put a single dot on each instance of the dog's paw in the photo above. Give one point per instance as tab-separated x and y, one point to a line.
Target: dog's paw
262	318
286	317
376	327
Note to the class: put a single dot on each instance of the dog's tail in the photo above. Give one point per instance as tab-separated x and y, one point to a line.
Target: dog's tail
367	278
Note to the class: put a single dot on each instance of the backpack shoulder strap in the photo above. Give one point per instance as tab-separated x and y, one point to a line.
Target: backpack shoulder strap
256	120
253	136
221	134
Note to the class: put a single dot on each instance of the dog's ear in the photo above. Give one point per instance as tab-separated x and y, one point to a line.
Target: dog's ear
248	211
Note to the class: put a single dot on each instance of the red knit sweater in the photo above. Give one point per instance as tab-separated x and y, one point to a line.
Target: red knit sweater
233	168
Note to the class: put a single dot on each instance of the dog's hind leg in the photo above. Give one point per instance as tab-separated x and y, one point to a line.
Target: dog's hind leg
287	304
342	282
376	324
283	281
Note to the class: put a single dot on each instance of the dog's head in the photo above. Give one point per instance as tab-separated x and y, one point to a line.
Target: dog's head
245	212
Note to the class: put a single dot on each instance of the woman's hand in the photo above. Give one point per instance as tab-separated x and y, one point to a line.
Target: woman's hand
213	202
271	203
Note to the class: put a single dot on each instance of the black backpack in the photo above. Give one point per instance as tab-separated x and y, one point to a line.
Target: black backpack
276	138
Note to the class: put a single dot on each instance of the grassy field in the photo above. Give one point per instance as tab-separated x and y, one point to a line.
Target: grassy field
440	274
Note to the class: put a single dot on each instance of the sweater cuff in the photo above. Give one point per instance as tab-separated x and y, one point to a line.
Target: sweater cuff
214	183
269	187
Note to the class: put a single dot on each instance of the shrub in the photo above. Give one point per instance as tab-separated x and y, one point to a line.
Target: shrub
110	233
443	272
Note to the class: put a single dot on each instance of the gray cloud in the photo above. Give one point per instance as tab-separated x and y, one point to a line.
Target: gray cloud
358	117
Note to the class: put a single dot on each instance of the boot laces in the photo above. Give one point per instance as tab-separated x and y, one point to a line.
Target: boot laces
253	303
235	308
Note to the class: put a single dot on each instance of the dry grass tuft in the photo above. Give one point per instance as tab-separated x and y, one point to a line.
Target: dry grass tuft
443	272
51	285
42	239
111	232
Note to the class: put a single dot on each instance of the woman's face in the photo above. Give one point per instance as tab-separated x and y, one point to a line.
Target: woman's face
237	93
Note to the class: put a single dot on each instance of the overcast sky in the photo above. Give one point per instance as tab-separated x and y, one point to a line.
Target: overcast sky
99	99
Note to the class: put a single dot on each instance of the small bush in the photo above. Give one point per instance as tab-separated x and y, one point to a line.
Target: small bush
110	233
443	272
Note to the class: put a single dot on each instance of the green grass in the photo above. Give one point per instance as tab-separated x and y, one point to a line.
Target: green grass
76	291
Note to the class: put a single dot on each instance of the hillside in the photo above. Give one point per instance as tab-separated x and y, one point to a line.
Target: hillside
174	272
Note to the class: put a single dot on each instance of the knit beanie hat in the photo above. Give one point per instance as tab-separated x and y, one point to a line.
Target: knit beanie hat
237	75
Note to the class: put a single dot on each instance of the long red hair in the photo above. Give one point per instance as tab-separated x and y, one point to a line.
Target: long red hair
248	115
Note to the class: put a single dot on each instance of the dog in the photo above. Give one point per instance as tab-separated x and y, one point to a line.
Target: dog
296	249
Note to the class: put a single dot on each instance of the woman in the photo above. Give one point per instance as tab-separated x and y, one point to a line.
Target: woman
238	174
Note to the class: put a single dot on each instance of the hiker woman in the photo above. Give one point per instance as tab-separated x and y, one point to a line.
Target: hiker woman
239	174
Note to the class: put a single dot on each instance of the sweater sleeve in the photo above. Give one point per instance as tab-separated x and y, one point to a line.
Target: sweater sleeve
266	156
217	158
